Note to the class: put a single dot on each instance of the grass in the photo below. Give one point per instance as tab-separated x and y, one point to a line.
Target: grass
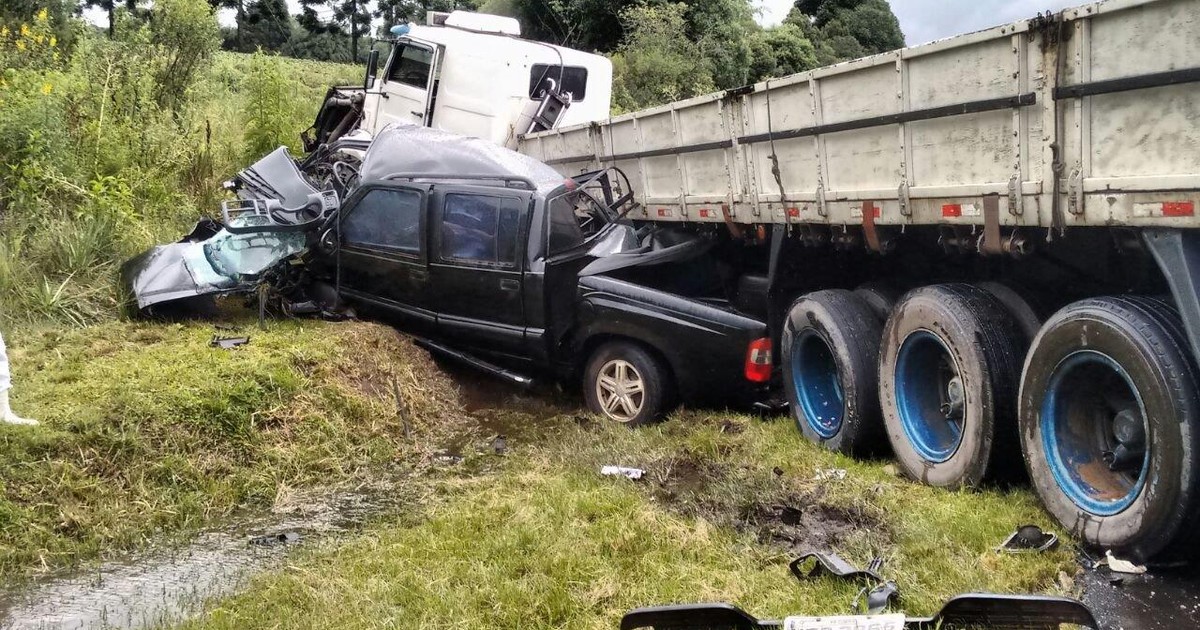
545	542
148	432
149	435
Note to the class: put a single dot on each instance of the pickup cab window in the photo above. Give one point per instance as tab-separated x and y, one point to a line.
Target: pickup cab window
480	229
575	217
410	66
385	218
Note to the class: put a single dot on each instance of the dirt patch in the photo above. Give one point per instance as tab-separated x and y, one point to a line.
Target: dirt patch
757	502
804	524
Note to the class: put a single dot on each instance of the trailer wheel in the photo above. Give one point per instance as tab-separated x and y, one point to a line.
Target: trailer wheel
1107	406
1023	312
830	352
626	384
948	372
880	297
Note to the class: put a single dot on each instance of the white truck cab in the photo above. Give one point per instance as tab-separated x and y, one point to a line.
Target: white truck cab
472	74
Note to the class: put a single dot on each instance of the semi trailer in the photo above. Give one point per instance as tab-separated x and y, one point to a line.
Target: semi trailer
972	252
980	254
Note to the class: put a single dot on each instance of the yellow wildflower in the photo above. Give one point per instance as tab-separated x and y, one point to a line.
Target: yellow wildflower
20	44
24	30
53	41
43	15
47	88
4	32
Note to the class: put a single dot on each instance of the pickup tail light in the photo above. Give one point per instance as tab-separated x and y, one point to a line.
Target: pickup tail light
758	360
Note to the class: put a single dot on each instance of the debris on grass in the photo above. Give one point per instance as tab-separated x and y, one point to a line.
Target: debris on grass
633	474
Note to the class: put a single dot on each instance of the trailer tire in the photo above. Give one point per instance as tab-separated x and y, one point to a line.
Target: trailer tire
1021	309
830	349
948	373
1104	374
612	373
880	297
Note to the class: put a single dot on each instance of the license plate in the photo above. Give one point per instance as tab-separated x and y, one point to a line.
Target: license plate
855	622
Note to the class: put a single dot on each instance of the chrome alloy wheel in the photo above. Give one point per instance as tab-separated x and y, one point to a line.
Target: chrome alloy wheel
621	390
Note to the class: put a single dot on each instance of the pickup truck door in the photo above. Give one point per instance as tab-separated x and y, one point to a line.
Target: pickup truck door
476	266
383	253
409	84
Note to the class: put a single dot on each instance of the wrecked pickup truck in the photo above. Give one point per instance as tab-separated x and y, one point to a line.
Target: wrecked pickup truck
493	258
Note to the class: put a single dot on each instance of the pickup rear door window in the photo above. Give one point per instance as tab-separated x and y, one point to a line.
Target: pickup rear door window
480	229
476	270
382	258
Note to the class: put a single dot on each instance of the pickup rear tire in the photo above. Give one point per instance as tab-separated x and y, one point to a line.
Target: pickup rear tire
625	383
1108	408
948	373
830	355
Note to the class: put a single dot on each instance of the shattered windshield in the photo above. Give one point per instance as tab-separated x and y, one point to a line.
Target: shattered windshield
239	255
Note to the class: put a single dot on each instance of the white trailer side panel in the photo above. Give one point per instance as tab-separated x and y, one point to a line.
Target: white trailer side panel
1101	104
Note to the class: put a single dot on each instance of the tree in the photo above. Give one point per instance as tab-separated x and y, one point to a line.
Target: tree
110	7
394	12
580	24
657	63
724	30
268	25
239	8
781	51
852	28
350	18
184	34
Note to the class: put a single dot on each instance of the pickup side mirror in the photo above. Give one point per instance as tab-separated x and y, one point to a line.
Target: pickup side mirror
372	67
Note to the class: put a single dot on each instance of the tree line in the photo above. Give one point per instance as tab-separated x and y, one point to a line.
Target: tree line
661	50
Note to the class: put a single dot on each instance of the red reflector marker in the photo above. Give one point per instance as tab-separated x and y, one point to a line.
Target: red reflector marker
952	210
1178	209
758	360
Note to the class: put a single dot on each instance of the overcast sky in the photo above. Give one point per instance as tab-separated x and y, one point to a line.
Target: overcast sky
927	20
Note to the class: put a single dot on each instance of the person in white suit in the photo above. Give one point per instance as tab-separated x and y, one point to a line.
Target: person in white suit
6	412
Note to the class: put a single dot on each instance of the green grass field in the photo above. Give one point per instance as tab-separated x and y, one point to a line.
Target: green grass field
148	434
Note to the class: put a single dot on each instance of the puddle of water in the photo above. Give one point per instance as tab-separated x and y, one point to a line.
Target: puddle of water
1163	601
165	586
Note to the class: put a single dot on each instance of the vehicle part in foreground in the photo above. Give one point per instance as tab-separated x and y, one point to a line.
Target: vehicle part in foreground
830	363
1108	413
948	373
976	610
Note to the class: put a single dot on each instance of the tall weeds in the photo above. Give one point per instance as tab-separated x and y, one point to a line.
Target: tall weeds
113	145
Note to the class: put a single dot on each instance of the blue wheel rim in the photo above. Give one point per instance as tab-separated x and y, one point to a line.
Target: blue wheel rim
924	367
817	384
1081	391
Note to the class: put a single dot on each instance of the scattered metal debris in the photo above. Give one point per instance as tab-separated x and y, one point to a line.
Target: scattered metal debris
1029	539
825	474
1117	565
874	597
281	538
228	343
615	471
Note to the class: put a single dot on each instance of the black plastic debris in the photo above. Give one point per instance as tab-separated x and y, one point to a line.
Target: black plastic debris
272	540
876	594
1029	539
228	343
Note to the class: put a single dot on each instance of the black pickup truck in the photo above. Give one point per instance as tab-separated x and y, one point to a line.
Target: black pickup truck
492	257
